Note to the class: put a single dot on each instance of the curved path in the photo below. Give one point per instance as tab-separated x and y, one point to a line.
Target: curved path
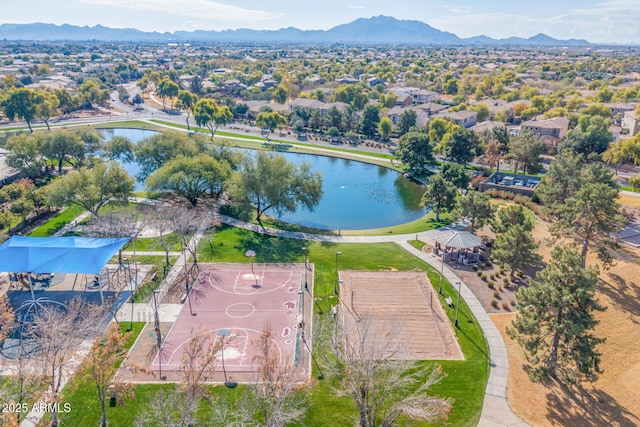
495	409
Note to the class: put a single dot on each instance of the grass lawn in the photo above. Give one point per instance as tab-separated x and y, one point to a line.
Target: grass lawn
81	394
57	222
153	244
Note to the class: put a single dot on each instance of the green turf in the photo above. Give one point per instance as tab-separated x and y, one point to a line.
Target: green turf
418	244
50	227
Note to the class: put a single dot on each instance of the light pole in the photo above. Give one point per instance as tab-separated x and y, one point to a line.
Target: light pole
441	269
335	286
458	302
186	281
306	267
158	334
224	333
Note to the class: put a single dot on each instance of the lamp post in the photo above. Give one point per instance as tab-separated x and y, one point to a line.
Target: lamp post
458	302
158	334
335	286
306	267
186	282
441	269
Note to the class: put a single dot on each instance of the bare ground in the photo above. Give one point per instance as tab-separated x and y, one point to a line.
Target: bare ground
614	400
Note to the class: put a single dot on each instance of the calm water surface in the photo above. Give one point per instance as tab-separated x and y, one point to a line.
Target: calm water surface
355	195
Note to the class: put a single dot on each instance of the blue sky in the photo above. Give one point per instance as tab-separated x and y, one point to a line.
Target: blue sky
602	21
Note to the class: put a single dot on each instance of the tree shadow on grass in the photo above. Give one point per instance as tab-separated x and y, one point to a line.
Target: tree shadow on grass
272	249
625	294
580	406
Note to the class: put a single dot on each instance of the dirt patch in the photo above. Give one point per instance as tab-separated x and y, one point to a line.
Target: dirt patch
613	400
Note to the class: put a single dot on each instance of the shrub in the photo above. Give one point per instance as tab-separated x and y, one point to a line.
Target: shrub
496	294
487	263
490	284
505	281
494	303
475	268
505	305
513	302
492	276
479	273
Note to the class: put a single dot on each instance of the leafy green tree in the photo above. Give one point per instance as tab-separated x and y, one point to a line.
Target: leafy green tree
63	147
461	147
385	127
186	102
440	130
456	174
370	120
583	204
191	177
211	115
93	188
68	103
334	117
515	248
525	149
22	207
415	150
555	320
475	207
154	151
482	110
510	216
561	180
280	94
270	120
167	89
353	95
91	95
268	181
591	136
119	147
407	121
21	103
46	106
25	154
440	195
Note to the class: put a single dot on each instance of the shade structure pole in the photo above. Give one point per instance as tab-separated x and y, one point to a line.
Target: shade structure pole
441	270
33	296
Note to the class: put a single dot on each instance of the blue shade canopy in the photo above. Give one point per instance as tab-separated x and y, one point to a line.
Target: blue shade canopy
21	254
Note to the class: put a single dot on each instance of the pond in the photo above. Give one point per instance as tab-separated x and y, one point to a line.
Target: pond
355	195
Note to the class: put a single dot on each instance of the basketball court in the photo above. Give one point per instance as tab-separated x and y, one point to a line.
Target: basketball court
402	299
234	303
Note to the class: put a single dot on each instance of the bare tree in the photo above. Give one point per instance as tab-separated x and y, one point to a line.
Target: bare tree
198	365
101	366
186	223
277	391
57	335
370	366
178	408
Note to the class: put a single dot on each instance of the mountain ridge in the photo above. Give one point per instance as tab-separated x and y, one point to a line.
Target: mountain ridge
375	30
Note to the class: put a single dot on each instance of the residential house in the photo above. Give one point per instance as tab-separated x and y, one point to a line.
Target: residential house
422	117
423	96
631	122
551	131
462	118
347	80
374	81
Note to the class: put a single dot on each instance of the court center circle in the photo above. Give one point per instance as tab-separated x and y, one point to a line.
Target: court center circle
240	310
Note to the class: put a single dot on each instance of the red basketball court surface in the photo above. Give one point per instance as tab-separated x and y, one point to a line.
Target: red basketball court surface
235	302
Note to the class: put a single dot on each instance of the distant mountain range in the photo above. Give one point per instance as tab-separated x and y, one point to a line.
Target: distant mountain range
375	30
